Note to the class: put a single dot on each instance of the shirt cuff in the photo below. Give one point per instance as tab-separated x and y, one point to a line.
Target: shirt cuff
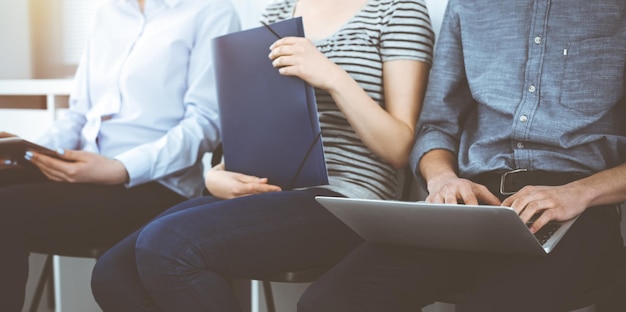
137	167
426	142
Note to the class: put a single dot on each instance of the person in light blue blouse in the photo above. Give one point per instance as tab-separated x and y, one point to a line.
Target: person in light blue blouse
534	89
141	116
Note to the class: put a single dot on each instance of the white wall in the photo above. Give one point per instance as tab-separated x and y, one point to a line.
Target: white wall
250	11
15	33
436	9
15	49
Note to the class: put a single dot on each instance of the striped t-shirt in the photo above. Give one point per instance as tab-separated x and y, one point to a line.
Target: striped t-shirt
383	30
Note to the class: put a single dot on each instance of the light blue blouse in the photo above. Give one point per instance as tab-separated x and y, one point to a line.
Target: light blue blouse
145	90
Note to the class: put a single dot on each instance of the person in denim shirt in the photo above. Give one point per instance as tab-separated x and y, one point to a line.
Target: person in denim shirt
530	85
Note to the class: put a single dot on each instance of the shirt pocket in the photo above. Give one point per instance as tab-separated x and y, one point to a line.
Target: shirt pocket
593	74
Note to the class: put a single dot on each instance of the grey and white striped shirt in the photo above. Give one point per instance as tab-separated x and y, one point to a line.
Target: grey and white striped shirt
383	30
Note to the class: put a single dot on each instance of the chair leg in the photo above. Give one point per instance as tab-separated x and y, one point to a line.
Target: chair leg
269	296
46	273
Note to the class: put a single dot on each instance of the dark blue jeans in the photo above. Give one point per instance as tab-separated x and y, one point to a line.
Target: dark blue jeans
402	279
185	258
37	214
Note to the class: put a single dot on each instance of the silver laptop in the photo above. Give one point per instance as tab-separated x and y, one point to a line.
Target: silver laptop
455	227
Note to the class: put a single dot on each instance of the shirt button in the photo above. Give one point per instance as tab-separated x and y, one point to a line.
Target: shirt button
523	118
538	40
520	144
532	89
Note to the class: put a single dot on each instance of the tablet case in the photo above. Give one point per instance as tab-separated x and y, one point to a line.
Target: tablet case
13	148
269	122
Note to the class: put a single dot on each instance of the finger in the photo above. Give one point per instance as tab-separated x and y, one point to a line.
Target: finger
290	71
283	61
40	160
536	207
54	169
450	197
243	178
530	210
484	196
434	198
284	41
545	217
264	188
468	197
71	155
509	200
524	192
280	51
51	174
523	198
253	188
518	204
61	156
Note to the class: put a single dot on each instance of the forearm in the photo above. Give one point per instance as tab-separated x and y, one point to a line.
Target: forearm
389	132
380	132
437	163
151	161
603	188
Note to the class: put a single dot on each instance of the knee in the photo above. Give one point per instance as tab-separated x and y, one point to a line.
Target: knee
106	281
169	251
165	250
159	240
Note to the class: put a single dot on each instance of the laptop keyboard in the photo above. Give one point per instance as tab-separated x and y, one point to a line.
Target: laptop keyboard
546	232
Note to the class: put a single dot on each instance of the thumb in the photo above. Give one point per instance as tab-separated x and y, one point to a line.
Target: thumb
250	179
69	154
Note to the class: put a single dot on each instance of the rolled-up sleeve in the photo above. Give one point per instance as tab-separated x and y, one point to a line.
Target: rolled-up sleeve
448	98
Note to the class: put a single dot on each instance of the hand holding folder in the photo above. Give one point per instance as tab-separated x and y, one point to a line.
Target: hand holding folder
270	126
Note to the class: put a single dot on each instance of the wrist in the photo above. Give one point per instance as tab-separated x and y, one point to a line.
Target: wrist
434	181
588	194
123	173
339	81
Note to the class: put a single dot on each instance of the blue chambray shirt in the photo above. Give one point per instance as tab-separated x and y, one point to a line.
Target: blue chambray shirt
528	84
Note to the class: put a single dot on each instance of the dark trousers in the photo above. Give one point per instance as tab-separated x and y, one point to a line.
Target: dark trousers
37	214
184	259
387	278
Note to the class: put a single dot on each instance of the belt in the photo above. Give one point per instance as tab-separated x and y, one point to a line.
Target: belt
509	182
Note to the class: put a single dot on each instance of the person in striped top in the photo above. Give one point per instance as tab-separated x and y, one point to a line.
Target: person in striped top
368	61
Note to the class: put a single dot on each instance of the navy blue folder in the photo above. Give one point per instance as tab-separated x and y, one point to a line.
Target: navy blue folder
269	122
